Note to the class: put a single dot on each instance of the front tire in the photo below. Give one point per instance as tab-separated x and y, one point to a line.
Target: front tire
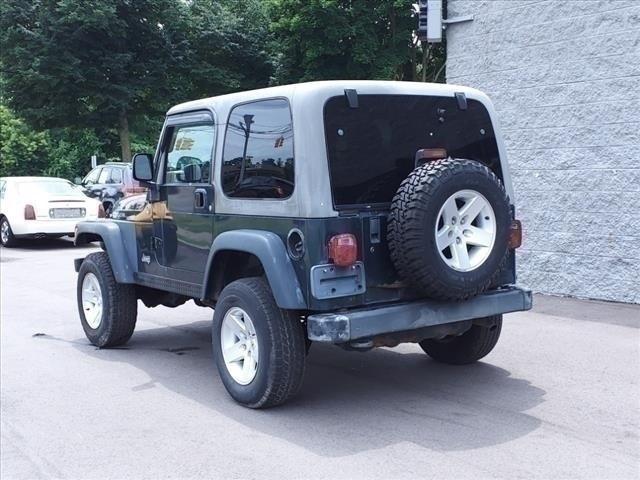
108	309
469	347
259	348
7	238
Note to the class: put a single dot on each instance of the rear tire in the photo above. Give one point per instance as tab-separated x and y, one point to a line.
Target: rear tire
269	339
115	321
7	238
108	209
469	347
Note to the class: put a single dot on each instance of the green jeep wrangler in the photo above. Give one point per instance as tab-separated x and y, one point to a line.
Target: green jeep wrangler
357	213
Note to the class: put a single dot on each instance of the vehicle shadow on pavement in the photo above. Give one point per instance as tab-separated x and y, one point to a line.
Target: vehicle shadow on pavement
350	402
44	244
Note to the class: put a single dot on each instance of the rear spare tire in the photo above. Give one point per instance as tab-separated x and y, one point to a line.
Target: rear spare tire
449	228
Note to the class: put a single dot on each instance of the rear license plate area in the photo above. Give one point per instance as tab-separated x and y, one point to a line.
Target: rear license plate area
66	212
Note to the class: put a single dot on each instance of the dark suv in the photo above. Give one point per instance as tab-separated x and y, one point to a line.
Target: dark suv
357	213
111	182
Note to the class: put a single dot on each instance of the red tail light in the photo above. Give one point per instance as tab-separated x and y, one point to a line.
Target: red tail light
343	249
515	234
29	212
101	212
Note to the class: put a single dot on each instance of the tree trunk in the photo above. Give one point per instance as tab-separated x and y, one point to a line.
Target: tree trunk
426	56
123	133
414	67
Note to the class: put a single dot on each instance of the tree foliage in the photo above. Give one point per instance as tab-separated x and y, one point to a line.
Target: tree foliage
102	63
83	77
348	39
59	153
22	150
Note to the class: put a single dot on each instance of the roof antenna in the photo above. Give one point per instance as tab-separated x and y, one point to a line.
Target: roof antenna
352	97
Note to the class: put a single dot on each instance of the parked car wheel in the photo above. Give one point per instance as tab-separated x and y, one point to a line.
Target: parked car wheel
108	209
259	349
449	228
108	309
7	238
467	348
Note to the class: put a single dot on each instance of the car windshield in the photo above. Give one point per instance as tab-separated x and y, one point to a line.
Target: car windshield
50	187
372	148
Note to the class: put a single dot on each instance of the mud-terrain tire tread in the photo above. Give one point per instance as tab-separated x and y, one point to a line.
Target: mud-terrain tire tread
285	371
469	347
404	235
120	304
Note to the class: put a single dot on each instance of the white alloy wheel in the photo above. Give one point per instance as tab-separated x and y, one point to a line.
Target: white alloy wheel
4	231
92	300
465	230
239	345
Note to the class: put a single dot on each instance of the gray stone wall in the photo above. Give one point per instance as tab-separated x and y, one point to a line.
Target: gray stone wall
565	79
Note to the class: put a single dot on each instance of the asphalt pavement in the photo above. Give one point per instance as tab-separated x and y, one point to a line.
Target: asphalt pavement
559	397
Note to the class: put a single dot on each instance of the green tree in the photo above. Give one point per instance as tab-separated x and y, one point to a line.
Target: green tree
228	43
70	152
22	150
73	63
111	64
336	39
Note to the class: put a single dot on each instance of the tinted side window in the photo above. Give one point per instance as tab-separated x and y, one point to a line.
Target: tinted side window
189	145
258	151
116	175
104	176
92	176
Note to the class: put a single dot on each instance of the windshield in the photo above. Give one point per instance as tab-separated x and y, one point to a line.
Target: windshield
372	148
50	187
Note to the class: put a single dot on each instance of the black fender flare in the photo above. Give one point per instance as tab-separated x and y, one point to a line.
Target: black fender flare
119	242
271	252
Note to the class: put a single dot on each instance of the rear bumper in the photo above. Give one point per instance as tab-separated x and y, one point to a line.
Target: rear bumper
363	324
46	227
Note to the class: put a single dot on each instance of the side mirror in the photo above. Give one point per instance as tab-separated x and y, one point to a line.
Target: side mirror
192	173
143	167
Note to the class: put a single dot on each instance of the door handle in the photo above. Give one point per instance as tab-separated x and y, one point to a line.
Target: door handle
200	200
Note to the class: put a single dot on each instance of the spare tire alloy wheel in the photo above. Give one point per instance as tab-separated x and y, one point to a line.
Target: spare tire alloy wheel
239	343
465	236
448	229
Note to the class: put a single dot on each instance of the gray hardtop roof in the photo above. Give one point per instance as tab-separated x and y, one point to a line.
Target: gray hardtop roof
303	92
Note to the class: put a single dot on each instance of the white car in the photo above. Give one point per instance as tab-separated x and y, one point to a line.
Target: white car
39	207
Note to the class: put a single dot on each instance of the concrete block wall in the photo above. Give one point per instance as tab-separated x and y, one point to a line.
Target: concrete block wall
565	78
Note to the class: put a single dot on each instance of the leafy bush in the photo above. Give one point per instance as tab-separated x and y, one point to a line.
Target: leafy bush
57	153
23	151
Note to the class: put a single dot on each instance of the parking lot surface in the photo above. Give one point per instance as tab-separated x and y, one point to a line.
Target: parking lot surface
559	397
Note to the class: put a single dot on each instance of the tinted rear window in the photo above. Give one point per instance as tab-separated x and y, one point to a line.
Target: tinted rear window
372	148
49	187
